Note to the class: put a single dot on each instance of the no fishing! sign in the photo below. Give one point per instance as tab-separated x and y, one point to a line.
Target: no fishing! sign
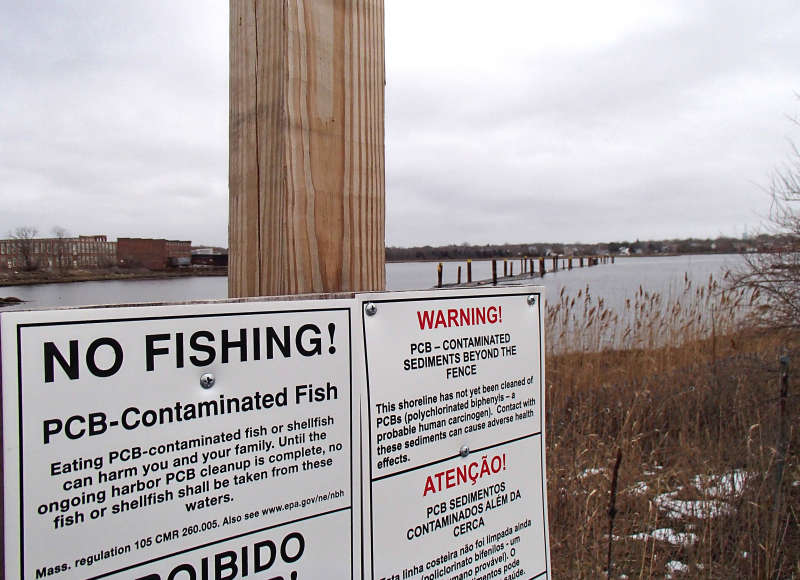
186	441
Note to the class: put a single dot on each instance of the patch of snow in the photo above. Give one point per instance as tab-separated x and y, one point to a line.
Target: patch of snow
668	535
590	471
701	508
674	566
722	485
638	488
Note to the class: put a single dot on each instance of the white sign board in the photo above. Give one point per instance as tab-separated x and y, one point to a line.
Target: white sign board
119	463
454	476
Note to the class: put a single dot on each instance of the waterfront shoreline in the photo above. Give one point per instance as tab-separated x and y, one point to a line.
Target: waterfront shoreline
35	278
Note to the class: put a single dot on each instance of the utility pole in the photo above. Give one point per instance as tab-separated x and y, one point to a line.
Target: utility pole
306	165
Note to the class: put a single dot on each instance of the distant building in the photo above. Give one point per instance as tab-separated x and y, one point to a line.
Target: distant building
153	254
210	257
83	252
89	252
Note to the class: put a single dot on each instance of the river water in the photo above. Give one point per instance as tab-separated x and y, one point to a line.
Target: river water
612	282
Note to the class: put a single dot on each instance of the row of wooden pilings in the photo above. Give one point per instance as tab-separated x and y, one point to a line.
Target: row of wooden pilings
527	266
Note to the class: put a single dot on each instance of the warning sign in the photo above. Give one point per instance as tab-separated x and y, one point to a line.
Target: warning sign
455	473
192	441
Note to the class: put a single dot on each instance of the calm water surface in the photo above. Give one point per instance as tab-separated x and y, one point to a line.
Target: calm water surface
613	282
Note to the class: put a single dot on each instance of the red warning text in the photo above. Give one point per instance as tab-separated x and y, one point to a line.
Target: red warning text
477	315
467	473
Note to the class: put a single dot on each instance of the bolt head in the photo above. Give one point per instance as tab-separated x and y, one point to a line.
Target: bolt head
464	451
207	381
531	300
370	308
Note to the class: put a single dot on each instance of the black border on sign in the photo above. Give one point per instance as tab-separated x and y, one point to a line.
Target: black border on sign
455	296
20	326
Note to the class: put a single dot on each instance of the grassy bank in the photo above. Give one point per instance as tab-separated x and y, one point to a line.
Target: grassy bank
55	277
692	408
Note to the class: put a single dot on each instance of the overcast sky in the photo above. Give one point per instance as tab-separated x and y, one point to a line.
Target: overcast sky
505	121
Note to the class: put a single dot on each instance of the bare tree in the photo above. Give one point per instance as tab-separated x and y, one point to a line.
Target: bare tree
60	236
24	244
772	272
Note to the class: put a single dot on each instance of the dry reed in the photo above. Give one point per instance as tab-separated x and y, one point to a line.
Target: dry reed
690	396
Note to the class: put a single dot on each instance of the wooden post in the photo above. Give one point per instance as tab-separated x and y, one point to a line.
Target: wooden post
580	262
530	268
505	267
569	263
542	270
612	259
555	263
459	274
439	276
306	141
469	270
511	269
494	272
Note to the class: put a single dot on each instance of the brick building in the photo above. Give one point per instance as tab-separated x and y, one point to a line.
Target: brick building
179	253
85	252
153	254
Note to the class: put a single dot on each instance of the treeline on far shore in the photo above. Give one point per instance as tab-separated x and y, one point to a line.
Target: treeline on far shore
720	245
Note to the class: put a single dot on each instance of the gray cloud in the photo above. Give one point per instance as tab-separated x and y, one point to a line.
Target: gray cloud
116	118
662	132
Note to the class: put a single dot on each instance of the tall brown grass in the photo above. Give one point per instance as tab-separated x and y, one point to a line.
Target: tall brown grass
583	323
689	394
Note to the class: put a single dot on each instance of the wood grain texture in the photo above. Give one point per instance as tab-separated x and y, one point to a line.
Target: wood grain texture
306	167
